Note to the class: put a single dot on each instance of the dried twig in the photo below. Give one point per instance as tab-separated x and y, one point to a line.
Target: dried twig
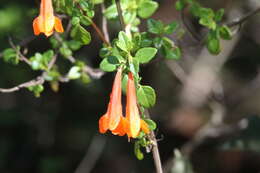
92	155
120	14
189	29
240	21
21	56
104	24
38	81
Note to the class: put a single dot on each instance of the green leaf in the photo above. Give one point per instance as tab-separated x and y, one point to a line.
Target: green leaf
104	52
138	153
65	50
170	28
147	8
85	20
158	42
129	17
172	53
106	66
145	55
206	13
41	61
111	12
219	15
84	5
124	43
74	72
180	5
208	22
85	78
155	26
37	89
97	1
146	96
75	21
74	45
213	46
225	33
152	125
79	33
10	56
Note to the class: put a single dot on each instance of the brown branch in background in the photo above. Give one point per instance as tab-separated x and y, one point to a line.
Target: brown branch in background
120	14
92	155
177	70
187	26
67	31
104	23
100	34
38	81
240	21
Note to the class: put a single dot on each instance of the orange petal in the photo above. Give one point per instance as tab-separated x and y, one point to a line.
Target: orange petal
132	112
48	33
120	130
144	127
115	109
58	25
36	28
103	124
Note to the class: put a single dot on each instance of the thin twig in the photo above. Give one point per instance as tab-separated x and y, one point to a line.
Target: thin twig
155	149
100	34
177	70
104	23
21	56
92	155
240	21
120	14
93	24
187	26
38	81
93	73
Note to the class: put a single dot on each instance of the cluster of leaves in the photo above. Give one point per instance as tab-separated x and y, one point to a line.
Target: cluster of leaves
81	12
209	19
132	10
129	50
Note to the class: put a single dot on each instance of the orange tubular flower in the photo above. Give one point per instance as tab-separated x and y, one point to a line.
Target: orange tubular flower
46	22
113	120
133	122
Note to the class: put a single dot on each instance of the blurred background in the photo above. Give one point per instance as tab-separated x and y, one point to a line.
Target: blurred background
207	106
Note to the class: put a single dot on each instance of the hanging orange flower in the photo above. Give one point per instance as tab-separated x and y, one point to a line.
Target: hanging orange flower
133	123
46	22
113	119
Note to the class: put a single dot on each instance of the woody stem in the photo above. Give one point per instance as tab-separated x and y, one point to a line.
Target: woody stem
120	14
155	150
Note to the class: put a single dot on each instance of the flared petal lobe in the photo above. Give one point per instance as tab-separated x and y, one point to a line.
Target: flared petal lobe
36	28
58	25
145	127
120	129
103	125
132	112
